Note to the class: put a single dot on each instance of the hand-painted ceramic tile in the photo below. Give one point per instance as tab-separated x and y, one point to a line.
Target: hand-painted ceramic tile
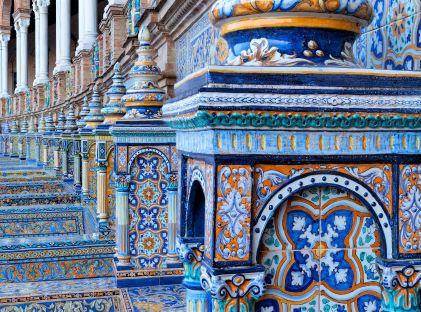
268	178
409	209
92	172
323	241
233	214
148	211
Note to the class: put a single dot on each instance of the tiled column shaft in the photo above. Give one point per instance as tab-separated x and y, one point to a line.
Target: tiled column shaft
37	152
21	150
76	170
56	153
85	190
45	155
172	219
101	176
64	168
28	149
122	216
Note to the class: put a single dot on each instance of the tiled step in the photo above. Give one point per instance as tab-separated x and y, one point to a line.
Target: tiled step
41	221
94	301
53	260
39	199
23	187
49	287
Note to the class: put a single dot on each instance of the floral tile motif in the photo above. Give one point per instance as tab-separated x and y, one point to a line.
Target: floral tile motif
148	209
320	249
409	208
233	213
269	178
160	298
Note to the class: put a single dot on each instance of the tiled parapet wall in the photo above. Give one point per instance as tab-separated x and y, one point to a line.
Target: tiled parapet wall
42	221
393	40
57	260
95	301
32	187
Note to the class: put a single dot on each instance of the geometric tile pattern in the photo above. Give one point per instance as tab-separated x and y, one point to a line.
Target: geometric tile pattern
319	251
148	210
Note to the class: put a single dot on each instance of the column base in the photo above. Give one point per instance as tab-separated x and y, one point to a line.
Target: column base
104	229
78	188
62	68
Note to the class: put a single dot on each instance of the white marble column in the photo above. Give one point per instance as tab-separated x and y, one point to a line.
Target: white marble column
43	40
37	41
21	26
24	23
4	44
63	59
88	24
18	36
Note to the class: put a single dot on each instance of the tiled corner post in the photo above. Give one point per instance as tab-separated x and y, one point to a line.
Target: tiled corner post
145	162
229	127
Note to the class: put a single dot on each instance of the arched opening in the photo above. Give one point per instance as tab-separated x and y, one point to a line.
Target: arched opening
196	212
319	249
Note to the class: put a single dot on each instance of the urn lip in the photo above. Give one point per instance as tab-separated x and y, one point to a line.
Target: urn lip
360	10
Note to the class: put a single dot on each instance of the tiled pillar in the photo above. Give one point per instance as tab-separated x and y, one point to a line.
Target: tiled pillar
172	219
21	148
28	149
56	154
64	169
38	151
122	220
101	174
85	190
76	164
44	152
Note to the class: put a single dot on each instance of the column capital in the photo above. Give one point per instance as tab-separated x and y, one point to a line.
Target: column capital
122	182
4	38
23	23
401	285
225	286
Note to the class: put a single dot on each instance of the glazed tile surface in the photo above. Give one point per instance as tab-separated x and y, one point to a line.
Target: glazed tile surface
159	298
320	250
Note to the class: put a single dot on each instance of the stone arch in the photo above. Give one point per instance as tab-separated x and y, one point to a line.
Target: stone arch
321	179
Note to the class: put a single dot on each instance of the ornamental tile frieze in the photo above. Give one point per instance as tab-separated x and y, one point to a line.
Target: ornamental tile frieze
269	178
